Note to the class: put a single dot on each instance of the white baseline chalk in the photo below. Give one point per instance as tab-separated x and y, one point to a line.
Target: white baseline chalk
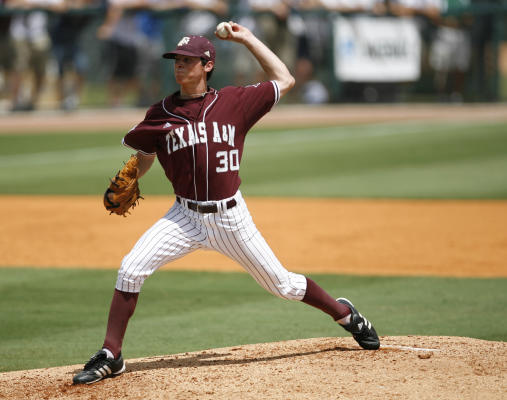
388	346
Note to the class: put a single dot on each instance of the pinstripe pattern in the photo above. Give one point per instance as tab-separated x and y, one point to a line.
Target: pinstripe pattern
230	232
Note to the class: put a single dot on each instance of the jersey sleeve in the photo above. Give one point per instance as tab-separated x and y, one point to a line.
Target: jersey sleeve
143	137
258	99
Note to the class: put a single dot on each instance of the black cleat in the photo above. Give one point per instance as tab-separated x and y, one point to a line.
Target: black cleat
361	329
99	367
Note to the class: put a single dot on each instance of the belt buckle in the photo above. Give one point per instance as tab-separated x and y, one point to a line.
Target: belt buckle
207	208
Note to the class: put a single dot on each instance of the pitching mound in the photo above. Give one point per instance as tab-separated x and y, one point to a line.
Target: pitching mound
411	367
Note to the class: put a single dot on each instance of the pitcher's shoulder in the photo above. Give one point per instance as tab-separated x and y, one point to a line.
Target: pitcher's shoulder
235	90
159	108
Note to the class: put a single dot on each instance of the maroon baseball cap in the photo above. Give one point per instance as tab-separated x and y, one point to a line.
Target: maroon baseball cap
194	46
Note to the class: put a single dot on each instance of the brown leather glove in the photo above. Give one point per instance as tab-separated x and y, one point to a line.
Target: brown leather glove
123	191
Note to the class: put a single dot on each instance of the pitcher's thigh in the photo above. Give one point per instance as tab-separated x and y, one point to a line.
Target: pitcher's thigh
170	238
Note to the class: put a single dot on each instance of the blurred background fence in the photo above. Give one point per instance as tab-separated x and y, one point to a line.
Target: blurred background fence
66	54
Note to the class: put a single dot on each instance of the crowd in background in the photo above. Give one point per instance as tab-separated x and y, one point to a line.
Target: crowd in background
132	35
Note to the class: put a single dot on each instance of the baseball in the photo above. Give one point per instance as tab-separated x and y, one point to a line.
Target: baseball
222	29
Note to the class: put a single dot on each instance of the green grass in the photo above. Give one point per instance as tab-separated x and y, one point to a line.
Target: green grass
410	160
54	317
390	160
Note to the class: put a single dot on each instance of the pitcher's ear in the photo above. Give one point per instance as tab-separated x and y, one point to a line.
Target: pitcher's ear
209	66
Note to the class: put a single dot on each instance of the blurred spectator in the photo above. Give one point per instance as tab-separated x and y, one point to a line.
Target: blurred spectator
122	37
204	16
6	56
427	8
150	45
425	13
448	52
311	28
29	32
309	89
134	44
149	50
72	62
272	23
268	19
353	6
245	67
450	57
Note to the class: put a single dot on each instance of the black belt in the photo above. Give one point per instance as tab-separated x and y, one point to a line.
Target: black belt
205	208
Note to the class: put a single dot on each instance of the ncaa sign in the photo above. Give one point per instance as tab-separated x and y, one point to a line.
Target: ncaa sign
368	49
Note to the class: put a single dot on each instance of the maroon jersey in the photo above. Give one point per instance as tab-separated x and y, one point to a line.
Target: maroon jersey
199	142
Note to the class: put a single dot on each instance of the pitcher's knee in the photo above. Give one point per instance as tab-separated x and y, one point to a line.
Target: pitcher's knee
131	276
135	270
131	283
292	287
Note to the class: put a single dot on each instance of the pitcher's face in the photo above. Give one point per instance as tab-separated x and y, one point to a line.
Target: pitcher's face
188	70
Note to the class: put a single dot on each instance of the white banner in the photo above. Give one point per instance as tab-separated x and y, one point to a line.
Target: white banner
368	49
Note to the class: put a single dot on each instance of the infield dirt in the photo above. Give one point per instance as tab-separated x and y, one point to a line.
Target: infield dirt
368	237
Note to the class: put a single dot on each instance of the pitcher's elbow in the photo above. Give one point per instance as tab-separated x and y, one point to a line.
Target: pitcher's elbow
291	81
286	84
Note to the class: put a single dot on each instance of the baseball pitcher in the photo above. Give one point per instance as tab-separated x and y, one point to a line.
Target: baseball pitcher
197	134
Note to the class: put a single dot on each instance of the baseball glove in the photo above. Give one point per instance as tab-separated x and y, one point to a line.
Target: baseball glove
123	191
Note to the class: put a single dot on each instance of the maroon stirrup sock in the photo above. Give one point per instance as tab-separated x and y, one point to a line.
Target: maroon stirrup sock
122	308
317	297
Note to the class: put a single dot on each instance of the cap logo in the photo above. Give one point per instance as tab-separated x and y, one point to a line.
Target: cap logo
207	53
184	41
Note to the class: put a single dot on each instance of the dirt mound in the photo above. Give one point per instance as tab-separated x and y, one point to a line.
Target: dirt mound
411	367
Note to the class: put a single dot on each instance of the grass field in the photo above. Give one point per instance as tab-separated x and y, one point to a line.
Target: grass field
57	316
390	160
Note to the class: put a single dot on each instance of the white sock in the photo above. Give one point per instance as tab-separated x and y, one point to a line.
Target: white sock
109	353
345	320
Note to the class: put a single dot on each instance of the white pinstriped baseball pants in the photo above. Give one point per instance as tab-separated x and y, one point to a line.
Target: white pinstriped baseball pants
231	232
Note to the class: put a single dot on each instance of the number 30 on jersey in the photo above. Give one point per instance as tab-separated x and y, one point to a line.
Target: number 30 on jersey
228	161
